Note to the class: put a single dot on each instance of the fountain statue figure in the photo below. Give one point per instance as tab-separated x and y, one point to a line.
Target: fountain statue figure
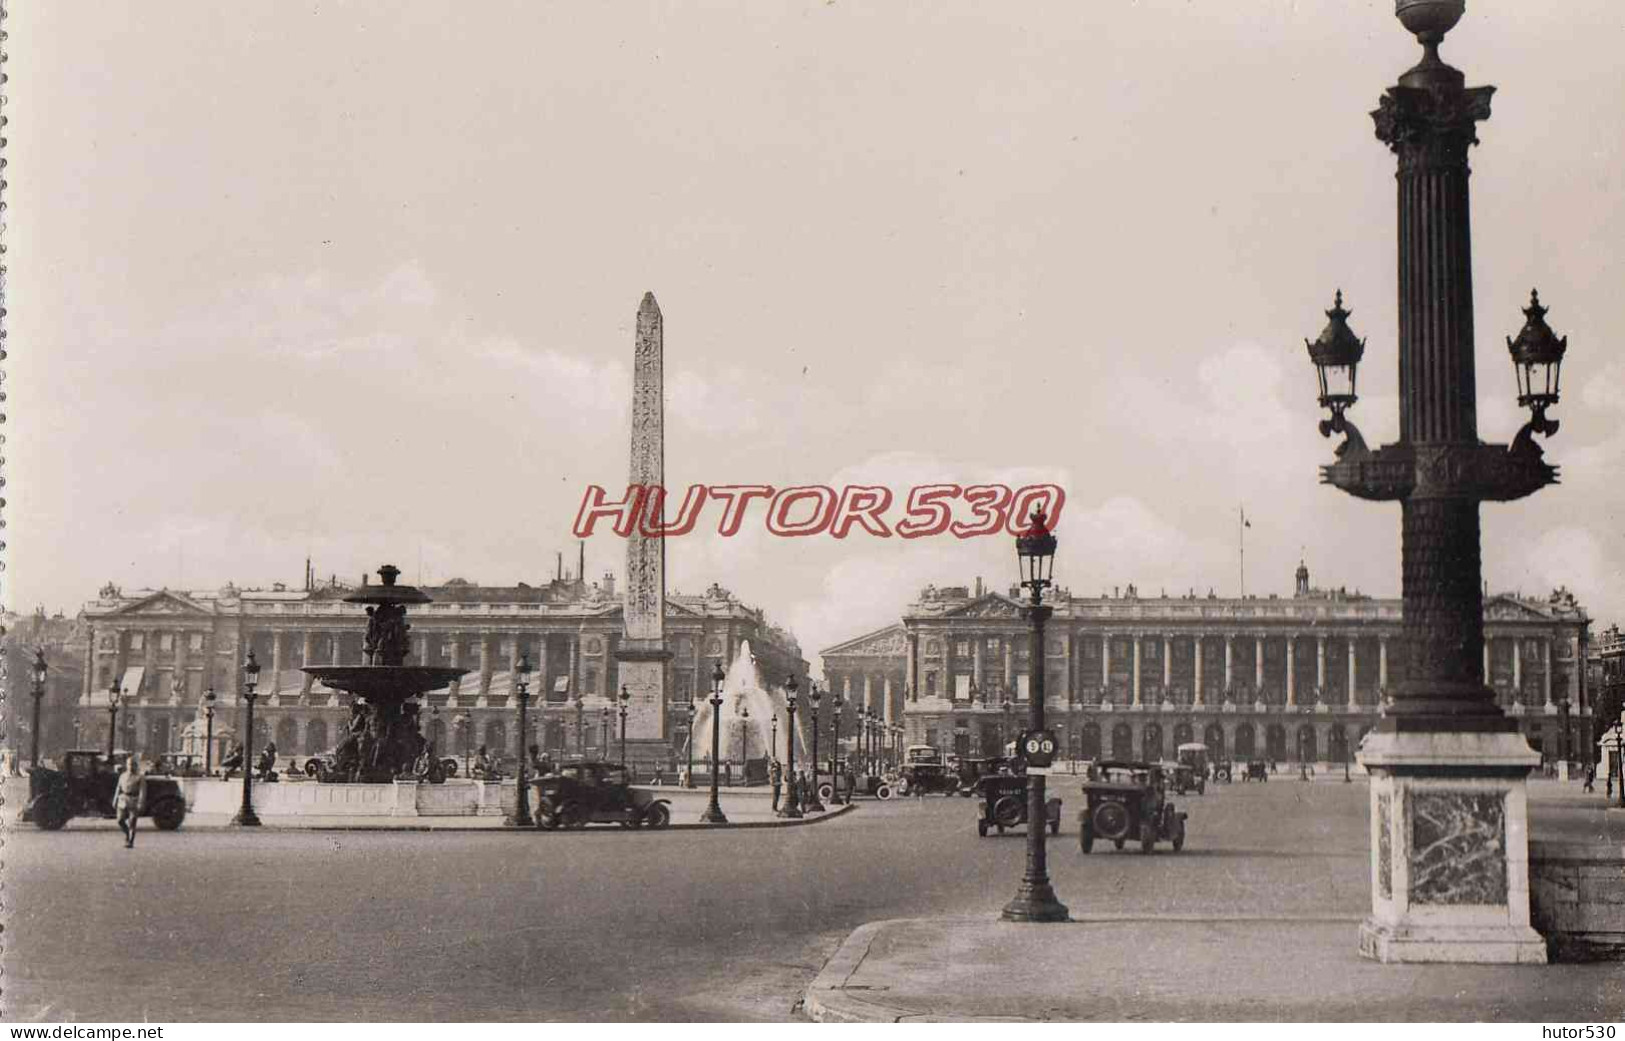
382	741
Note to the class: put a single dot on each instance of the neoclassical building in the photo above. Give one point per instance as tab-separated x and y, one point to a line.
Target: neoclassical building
164	648
1133	676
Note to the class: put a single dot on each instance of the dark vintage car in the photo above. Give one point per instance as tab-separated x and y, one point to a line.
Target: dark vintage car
1128	800
1257	770
1004	804
924	771
971	771
582	793
1223	771
83	787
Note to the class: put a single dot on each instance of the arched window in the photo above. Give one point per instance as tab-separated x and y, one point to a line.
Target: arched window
1246	744
287	735
1122	742
315	737
1151	742
496	738
1091	741
1213	737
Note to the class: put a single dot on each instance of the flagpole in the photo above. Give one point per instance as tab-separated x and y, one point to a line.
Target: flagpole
1241	545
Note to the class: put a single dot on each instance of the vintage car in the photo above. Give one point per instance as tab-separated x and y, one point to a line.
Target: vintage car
971	771
1191	774
1224	771
924	771
1257	770
1129	801
83	786
1004	804
581	793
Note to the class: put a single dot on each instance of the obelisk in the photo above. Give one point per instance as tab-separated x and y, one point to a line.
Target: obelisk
642	654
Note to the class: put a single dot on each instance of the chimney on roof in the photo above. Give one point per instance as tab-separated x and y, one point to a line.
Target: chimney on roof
559	576
979	589
609	583
581	563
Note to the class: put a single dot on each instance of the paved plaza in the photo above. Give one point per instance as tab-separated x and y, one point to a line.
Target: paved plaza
214	923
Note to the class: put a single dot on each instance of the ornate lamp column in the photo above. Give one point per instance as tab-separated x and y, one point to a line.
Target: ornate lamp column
40	670
246	818
1035	899
603	733
521	815
626	699
713	810
814	804
792	798
208	731
835	753
113	698
1448	769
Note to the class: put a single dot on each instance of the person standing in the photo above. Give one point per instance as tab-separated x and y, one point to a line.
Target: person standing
1591	778
775	777
129	792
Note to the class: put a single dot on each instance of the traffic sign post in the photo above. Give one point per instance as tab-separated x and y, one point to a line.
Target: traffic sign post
1038	748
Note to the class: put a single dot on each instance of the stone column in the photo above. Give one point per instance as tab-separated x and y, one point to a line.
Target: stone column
911	682
1196	651
307	656
1136	670
1546	669
846	690
889	712
1258	667
181	637
455	659
1320	666
1517	668
1105	663
149	658
485	662
275	685
976	665
869	691
89	664
423	650
1167	663
1353	673
1487	672
1009	667
1229	662
333	651
1291	671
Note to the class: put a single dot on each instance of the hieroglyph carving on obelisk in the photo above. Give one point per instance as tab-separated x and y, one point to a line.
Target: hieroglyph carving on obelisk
642	654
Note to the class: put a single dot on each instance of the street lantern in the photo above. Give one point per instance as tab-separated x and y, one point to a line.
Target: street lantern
40	669
713	811
744	735
1537	362
246	818
626	699
835	751
775	736
1035	899
1336	355
814	804
208	731
792	799
115	697
603	733
521	816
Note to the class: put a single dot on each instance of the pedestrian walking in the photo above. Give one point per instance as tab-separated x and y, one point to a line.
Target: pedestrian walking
775	777
1591	779
128	795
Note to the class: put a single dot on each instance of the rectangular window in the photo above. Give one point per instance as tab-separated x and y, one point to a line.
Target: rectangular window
138	641
166	641
196	642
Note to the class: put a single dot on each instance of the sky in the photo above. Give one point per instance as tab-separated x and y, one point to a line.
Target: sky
358	281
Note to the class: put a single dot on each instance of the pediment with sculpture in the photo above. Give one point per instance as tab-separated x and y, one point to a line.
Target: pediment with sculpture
162	602
883	643
990	606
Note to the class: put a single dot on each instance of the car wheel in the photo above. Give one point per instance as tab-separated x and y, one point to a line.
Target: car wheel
50	815
1007	812
1086	836
1148	837
981	829
658	816
883	792
826	792
1179	836
168	814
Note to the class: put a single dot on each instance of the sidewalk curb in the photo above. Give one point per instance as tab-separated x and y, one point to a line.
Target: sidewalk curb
828	999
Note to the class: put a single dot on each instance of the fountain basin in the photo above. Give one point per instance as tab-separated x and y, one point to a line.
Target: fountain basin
385	684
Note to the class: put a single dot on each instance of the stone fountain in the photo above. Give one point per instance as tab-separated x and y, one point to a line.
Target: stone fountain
383	741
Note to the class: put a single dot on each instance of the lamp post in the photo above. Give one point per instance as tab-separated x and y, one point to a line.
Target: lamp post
581	738
744	735
1035	899
208	731
835	752
78	725
114	697
863	740
1563	738
1004	724
1439	471
246	817
626	699
814	804
792	800
40	669
713	810
775	753
603	734
690	783
521	815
